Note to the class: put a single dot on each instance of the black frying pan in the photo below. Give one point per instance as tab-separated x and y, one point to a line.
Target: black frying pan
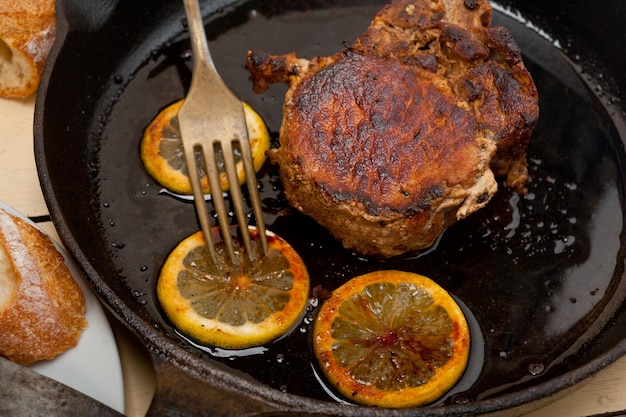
541	277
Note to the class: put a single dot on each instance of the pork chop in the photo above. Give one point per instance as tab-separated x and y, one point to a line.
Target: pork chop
396	137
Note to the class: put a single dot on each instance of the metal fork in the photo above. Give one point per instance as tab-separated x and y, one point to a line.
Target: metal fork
212	118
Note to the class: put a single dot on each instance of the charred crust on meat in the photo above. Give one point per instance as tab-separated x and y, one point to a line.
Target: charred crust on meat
424	204
257	58
483	198
503	46
436	191
530	118
473	90
266	69
462	44
470	4
375	129
427	62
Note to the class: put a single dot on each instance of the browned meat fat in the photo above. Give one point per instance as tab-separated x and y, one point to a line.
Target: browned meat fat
393	139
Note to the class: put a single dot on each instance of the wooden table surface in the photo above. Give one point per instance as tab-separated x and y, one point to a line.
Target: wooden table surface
604	393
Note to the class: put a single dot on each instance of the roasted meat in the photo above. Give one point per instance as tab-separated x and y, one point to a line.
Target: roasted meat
394	138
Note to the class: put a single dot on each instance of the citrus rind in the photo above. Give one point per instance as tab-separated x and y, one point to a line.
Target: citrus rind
371	337
228	310
162	154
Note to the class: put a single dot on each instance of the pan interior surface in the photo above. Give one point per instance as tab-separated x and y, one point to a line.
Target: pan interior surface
540	275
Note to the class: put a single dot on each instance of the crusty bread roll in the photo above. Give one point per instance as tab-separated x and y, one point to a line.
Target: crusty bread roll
27	31
42	308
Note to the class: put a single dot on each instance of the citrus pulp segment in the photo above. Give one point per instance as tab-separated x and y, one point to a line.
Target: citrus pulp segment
233	306
391	339
162	154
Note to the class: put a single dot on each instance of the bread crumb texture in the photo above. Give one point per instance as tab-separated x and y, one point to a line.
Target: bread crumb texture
42	307
27	32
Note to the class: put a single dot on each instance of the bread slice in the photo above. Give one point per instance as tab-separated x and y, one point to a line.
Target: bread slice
27	32
42	308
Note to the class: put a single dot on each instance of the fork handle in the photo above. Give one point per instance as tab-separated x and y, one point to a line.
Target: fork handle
199	44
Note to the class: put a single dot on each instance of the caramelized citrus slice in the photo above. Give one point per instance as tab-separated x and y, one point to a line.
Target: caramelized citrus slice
233	306
391	339
161	150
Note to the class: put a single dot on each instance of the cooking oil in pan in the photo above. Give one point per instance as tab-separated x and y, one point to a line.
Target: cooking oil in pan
536	272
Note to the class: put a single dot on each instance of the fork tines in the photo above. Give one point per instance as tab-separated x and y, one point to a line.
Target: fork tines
212	119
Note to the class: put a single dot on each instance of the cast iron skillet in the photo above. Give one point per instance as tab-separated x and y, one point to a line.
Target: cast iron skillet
540	277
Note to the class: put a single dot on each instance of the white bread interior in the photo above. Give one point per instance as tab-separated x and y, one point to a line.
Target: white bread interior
42	307
27	32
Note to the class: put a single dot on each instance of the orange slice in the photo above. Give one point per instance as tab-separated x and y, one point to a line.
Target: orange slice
233	306
162	154
391	339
